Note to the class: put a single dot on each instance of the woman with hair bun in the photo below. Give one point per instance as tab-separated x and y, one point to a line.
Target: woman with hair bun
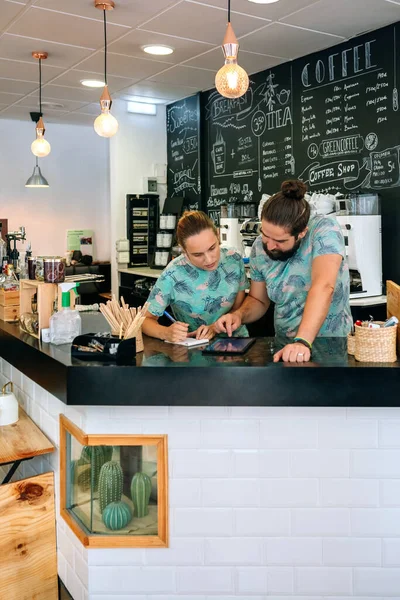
200	285
299	263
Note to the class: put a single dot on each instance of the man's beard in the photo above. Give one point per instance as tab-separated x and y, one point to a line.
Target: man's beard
281	254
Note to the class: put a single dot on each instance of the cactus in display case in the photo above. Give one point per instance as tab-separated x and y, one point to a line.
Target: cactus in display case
110	484
96	457
140	494
116	515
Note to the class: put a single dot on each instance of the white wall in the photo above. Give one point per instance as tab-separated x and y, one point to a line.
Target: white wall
141	142
77	170
270	502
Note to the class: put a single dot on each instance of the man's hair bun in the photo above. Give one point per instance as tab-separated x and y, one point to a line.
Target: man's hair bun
294	189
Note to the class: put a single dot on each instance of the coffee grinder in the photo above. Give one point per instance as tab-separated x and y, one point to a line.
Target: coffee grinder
14	236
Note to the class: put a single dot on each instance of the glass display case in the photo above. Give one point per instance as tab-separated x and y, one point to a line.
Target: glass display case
114	487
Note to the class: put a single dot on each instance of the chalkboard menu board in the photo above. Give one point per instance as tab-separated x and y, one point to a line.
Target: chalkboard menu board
183	151
346	115
248	141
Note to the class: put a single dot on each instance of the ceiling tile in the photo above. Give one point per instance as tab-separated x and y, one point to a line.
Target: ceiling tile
27	71
273	12
187	76
92	109
6	98
131	45
151	89
288	42
17	87
126	12
67	105
74	77
346	18
200	22
8	10
63	92
21	48
63	28
123	66
251	62
22	113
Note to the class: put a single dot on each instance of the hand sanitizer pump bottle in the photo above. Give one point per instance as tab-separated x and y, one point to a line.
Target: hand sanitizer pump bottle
65	324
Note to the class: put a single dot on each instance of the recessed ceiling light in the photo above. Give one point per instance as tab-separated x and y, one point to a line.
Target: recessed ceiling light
158	50
93	83
263	1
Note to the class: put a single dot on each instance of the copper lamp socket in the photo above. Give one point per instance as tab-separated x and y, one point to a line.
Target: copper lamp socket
40	55
104	4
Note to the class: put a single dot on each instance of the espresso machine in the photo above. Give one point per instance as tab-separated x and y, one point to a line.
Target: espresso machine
361	223
249	230
229	233
14	236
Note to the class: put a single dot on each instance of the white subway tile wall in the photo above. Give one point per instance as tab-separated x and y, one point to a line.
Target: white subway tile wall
266	503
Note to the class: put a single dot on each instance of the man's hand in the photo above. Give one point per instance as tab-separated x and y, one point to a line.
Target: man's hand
293	353
228	323
204	331
177	332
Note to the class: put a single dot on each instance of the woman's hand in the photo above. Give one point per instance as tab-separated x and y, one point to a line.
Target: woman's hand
204	332
293	353
177	332
228	323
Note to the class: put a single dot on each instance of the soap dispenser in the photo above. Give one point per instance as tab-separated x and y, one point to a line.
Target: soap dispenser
65	324
8	406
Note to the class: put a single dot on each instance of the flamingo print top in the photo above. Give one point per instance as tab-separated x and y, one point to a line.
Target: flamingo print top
288	281
196	296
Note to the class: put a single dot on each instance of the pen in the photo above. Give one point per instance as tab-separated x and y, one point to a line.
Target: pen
170	317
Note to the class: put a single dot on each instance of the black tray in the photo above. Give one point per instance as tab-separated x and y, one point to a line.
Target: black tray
115	349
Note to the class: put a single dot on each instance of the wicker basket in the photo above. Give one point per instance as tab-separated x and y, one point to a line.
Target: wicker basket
351	344
376	345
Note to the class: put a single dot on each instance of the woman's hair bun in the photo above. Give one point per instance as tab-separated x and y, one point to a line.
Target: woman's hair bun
293	188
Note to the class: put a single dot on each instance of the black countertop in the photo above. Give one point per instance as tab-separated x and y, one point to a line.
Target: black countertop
165	374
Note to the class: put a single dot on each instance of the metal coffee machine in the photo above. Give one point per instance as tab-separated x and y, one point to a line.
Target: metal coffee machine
229	233
360	220
249	231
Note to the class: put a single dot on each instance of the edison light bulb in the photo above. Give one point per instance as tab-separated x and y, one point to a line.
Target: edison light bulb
106	125
40	147
231	80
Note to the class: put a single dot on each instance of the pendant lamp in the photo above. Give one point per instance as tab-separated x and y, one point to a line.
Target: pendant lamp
37	180
231	80
105	124
40	147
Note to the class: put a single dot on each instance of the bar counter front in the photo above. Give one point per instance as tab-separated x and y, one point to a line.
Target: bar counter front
332	378
278	480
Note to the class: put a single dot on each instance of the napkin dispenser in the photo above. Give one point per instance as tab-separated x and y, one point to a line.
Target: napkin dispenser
8	405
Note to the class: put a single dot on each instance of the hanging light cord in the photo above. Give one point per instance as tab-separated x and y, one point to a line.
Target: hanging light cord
40	86
229	11
105	46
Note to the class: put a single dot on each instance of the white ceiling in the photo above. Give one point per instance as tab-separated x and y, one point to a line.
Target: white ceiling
72	34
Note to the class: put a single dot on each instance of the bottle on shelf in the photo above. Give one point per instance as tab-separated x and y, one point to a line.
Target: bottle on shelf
65	324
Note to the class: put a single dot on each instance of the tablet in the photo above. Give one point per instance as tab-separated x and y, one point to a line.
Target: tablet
229	346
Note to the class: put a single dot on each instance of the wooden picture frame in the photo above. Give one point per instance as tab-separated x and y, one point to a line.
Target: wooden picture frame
117	541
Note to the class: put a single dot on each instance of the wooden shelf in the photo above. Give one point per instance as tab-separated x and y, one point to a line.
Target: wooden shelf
22	440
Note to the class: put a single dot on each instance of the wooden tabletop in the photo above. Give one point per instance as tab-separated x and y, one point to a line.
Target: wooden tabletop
22	439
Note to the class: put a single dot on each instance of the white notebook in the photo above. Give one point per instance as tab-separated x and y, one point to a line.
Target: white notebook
190	342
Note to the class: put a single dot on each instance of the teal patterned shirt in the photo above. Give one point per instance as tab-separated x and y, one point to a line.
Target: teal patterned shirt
196	296
288	282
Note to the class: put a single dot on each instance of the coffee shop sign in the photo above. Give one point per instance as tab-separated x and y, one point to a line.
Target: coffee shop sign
351	62
220	108
181	117
184	180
